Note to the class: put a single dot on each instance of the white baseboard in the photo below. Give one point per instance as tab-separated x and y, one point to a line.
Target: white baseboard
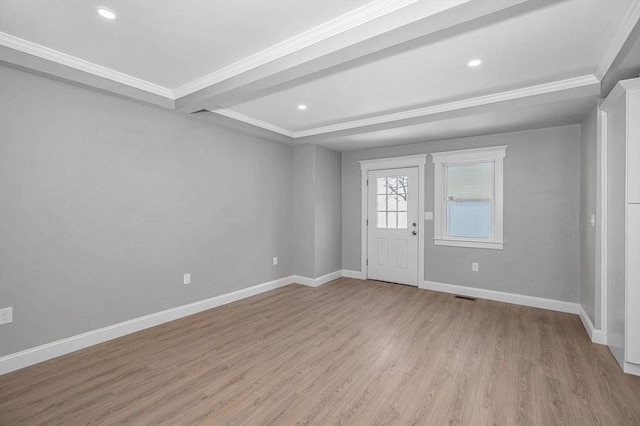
55	349
18	360
499	296
353	274
595	334
631	368
315	282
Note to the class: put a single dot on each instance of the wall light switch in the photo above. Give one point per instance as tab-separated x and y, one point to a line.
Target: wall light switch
475	267
593	220
428	215
186	279
275	260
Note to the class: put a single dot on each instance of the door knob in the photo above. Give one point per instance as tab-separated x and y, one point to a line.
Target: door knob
413	233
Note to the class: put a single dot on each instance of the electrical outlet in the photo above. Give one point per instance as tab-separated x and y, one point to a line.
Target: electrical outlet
6	315
475	267
186	279
275	260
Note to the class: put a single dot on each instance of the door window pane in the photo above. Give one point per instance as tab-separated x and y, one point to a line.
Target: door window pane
392	220
382	219
391	203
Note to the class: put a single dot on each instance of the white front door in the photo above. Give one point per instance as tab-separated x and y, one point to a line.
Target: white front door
392	215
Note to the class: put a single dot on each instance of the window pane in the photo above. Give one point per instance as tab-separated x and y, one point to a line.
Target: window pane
402	204
382	203
469	219
402	184
382	219
382	186
392	185
402	220
392	220
469	181
392	203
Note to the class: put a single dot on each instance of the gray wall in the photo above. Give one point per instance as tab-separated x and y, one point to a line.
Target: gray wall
304	183
541	256
105	203
328	211
317	211
588	291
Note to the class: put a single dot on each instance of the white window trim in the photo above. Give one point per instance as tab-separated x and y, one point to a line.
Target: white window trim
495	154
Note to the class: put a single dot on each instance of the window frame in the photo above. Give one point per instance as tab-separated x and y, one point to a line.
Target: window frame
441	160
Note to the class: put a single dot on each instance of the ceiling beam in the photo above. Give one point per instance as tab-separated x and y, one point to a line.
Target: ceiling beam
574	88
401	29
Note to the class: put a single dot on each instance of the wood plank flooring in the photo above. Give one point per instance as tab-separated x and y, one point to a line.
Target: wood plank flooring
349	352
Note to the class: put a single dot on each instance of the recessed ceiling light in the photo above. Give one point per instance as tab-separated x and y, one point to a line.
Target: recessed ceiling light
106	13
302	107
474	62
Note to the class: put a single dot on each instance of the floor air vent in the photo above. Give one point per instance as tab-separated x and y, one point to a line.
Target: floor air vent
457	296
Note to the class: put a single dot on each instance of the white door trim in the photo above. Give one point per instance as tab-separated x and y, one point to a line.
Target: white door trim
419	161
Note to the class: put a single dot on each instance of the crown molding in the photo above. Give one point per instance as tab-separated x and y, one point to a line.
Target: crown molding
540	89
630	20
253	121
61	58
366	13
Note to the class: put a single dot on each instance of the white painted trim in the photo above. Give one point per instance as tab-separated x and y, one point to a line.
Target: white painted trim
618	91
360	16
353	274
55	349
61	58
253	121
493	154
629	21
393	163
419	161
596	335
630	368
315	282
499	296
458	242
601	212
540	89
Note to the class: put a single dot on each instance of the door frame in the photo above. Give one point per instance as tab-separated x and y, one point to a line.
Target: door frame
419	161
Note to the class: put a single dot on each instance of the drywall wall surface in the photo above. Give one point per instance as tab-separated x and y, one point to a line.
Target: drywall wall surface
105	204
588	161
541	255
317	210
304	182
328	211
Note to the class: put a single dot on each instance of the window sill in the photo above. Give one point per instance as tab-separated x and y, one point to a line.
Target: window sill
494	245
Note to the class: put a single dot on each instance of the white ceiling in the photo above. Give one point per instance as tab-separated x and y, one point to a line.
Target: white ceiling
169	43
515	54
371	73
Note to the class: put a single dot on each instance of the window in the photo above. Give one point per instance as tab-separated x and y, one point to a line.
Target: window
392	202
468	197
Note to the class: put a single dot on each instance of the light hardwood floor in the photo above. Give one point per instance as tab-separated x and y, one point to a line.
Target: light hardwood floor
349	352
